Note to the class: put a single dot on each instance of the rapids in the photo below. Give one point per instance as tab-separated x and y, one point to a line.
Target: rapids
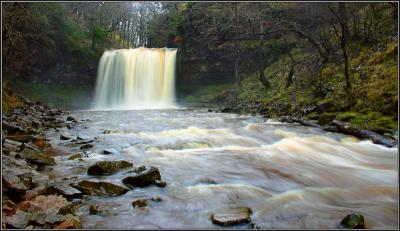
291	176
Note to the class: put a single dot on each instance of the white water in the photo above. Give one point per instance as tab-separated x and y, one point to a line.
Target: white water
140	78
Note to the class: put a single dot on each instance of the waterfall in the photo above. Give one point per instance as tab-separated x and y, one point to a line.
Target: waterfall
140	78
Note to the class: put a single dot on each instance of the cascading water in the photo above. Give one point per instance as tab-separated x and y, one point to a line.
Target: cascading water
140	78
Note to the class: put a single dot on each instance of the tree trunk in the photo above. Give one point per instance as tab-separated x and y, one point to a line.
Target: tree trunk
289	80
343	42
261	62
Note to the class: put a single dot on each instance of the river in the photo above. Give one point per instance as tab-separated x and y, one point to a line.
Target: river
291	176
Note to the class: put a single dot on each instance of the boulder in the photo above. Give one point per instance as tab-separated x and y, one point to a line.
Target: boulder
41	190
42	219
94	209
94	188
50	204
156	199
75	156
65	136
161	184
12	128
353	221
35	157
72	119
144	178
70	222
12	183
11	145
232	216
17	221
108	167
138	203
86	146
67	191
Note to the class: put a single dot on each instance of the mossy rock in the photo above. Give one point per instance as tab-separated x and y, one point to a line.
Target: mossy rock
353	221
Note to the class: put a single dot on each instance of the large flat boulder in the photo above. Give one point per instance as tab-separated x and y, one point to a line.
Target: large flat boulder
108	167
99	188
232	216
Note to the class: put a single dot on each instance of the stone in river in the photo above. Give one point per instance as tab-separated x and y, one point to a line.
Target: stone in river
145	178
86	146
108	167
138	203
353	221
65	136
67	191
70	222
232	216
75	156
94	209
99	188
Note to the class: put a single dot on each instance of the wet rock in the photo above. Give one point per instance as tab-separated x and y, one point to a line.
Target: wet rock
67	191
45	218
70	208
70	222
286	119
207	180
138	203
109	151
13	183
161	184
11	146
306	122
50	204
156	199
22	138
253	226
35	157
353	221
86	146
30	194
18	221
108	167
84	142
138	169
232	216
363	134
142	179
72	119
75	156
94	188
65	136
12	128
8	207
330	128
94	209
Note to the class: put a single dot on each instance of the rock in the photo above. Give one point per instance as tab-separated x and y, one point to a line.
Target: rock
13	183
363	134
94	209
160	183
70	118
11	145
86	146
8	207
138	203
22	138
70	208
107	152
94	188
84	142
50	204
45	218
30	194
353	221
253	226
108	167
142	179
330	128
70	222
325	106
138	169
18	221
232	216
65	136
156	199
67	191
35	157
12	128
75	156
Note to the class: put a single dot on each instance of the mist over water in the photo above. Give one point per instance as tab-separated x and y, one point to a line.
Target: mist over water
141	78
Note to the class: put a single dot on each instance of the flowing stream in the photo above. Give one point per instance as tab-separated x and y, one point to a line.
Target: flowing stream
290	176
